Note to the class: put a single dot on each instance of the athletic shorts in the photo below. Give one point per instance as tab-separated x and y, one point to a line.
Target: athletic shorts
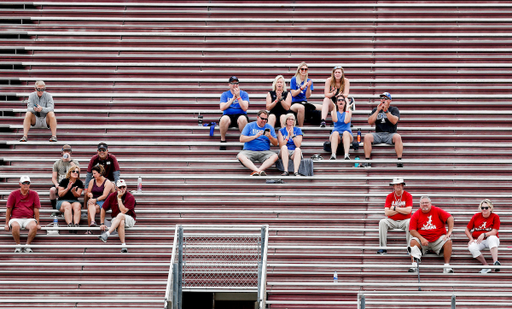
23	222
41	123
234	119
383	137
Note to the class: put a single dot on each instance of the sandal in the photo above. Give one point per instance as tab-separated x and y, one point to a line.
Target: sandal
285	174
88	233
53	138
23	139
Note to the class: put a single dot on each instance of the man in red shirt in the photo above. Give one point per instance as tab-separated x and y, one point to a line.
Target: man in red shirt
23	213
428	231
123	205
398	209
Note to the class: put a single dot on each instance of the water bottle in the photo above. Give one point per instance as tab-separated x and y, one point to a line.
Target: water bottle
139	185
200	120
359	135
212	128
55	222
357	163
335	277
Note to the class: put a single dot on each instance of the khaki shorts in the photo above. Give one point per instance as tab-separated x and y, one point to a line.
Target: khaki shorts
257	156
436	246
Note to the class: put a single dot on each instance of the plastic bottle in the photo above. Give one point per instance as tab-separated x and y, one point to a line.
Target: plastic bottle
357	163
359	135
139	185
200	120
335	277
55	222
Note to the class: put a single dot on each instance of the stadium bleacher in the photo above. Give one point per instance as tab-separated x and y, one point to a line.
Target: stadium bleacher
137	75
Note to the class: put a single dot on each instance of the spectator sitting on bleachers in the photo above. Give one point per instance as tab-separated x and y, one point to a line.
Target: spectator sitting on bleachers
278	102
341	117
233	104
123	205
334	85
23	213
385	119
301	88
290	139
70	189
398	211
40	112
107	160
60	169
257	137
428	231
482	231
97	192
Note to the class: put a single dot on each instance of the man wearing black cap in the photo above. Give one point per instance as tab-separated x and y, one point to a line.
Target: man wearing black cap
385	118
233	104
60	169
109	162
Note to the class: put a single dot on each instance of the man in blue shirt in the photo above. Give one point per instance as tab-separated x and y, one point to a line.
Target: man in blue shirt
257	137
233	104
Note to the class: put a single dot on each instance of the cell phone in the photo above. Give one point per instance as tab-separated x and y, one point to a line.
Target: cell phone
267	130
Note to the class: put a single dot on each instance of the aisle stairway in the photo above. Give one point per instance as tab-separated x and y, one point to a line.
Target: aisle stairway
137	75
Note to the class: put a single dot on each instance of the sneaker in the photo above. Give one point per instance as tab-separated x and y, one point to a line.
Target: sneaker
103	237
53	139
382	252
448	270
497	263
18	250
93	224
28	250
262	173
55	214
255	174
285	174
366	165
297	174
322	124
84	215
347	157
75	231
124	250
414	267
485	271
23	139
71	231
333	157
222	147
400	164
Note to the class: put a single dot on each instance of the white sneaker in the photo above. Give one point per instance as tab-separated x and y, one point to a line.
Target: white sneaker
485	271
414	267
27	250
448	270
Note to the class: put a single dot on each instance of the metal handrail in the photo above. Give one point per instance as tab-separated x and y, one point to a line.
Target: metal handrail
263	279
168	300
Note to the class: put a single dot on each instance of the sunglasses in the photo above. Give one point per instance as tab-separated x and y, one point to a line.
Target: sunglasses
25	183
235	83
102	150
264	119
75	172
40	89
384	98
123	187
484	208
303	69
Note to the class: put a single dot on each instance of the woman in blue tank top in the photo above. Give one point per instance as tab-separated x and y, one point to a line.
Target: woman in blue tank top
341	117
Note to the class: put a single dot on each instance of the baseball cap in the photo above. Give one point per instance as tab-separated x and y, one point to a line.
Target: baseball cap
233	78
397	181
102	145
121	183
66	148
387	95
24	178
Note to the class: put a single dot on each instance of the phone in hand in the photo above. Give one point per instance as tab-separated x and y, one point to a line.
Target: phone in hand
266	130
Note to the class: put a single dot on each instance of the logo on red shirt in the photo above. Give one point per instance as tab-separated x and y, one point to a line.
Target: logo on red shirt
428	225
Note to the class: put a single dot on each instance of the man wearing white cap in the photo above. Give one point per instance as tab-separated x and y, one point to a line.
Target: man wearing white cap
385	118
23	213
398	209
123	205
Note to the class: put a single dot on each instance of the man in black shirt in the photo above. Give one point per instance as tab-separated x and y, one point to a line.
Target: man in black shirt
385	118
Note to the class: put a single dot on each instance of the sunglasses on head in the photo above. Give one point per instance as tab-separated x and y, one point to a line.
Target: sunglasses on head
337	67
484	208
25	183
40	89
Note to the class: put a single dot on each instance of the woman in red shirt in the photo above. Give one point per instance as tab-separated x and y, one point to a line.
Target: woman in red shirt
482	232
